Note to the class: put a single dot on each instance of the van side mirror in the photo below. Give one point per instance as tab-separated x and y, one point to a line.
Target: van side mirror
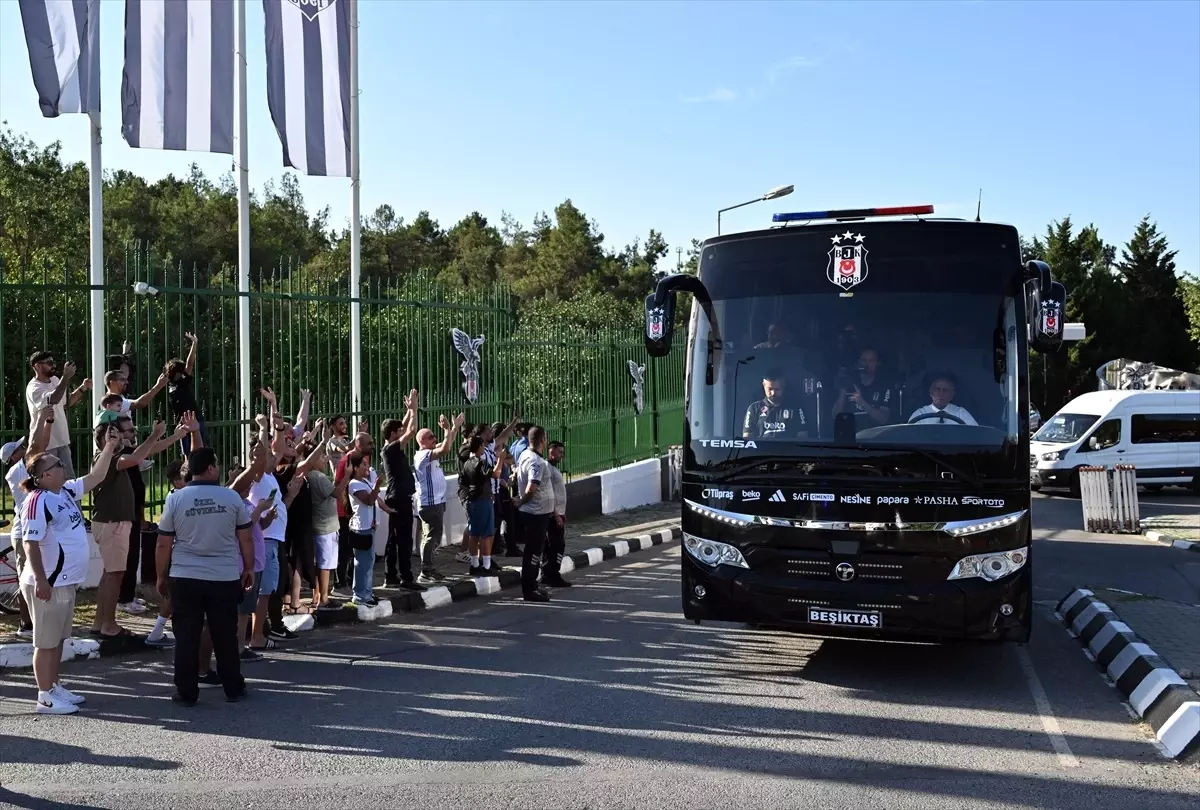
1093	443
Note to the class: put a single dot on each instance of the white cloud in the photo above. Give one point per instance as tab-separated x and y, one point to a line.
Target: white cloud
721	94
795	63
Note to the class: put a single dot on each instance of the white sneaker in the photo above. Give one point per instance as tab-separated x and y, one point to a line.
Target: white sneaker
464	557
132	607
60	692
47	703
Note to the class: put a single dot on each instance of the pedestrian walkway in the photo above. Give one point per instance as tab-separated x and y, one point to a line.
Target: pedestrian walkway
1179	530
584	540
1172	629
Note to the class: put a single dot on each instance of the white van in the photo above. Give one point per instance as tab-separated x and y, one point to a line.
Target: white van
1158	432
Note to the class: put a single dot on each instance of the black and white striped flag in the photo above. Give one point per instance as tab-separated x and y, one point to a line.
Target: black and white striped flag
63	37
177	86
308	83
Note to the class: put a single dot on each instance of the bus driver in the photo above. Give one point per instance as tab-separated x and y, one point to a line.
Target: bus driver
942	409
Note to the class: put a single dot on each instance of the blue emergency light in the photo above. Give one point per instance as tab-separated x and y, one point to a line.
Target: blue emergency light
854	213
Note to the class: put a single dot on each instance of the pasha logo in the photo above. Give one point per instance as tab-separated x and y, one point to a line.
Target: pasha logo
847	260
311	8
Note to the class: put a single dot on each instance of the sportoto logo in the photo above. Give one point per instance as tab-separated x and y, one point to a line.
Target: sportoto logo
311	8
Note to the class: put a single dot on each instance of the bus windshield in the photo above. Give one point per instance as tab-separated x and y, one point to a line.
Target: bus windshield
910	338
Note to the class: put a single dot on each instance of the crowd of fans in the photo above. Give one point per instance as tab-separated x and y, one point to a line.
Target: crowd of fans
236	547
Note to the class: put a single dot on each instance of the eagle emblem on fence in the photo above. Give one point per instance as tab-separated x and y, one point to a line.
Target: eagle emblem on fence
637	373
468	348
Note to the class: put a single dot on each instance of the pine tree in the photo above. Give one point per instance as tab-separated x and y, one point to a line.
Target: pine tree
1152	285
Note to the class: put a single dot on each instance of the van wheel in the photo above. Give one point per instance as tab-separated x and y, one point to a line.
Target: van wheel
1196	485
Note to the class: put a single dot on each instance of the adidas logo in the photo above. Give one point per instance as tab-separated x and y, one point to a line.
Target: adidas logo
778	497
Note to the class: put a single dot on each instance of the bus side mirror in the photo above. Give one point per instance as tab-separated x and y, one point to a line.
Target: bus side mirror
660	323
1047	313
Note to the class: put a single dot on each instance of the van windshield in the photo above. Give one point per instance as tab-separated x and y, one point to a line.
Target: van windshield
1065	428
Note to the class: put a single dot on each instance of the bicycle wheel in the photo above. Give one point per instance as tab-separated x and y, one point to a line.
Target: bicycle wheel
9	585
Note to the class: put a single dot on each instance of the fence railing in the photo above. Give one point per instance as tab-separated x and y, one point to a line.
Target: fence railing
580	386
1109	499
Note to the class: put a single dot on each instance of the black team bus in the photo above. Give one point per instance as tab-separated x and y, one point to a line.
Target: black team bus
855	457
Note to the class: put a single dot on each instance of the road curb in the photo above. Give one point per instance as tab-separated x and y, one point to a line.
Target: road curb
20	656
1155	691
1171	540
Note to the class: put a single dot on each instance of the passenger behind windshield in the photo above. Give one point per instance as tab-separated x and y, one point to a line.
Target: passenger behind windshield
942	409
774	416
863	394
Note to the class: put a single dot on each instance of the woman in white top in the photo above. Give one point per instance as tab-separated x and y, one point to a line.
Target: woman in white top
364	501
56	563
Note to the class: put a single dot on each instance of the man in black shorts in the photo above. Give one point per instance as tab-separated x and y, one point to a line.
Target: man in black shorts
773	416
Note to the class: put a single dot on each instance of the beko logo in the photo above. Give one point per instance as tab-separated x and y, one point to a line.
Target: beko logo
720	494
751	494
975	500
728	443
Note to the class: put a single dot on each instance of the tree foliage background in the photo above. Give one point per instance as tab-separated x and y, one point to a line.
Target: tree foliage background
1132	298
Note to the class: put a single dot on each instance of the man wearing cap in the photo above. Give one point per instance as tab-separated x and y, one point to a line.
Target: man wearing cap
48	389
13	456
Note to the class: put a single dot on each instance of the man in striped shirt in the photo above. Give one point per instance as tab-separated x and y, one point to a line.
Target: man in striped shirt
431	491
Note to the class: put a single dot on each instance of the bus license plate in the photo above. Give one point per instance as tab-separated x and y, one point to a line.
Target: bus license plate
845	618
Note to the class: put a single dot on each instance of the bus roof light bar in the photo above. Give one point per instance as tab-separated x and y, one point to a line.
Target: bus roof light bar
854	213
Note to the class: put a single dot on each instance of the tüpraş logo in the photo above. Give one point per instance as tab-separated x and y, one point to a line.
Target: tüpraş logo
721	494
728	443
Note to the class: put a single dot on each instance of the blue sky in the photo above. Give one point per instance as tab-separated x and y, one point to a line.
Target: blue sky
654	115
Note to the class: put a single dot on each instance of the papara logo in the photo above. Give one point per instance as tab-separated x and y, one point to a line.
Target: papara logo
728	443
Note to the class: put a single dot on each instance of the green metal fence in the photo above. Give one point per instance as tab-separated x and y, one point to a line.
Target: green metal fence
578	385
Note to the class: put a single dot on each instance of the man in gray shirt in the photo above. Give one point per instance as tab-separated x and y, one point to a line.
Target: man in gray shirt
556	535
205	562
535	509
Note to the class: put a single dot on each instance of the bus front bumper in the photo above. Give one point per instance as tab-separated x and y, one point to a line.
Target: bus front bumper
958	609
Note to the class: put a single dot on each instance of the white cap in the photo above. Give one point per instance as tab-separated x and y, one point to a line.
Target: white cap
9	450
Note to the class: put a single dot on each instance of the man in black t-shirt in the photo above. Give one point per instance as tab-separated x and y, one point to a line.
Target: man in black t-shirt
867	398
401	487
181	391
772	417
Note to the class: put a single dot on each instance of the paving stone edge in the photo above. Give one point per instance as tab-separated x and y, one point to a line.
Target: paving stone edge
1172	540
20	656
1152	687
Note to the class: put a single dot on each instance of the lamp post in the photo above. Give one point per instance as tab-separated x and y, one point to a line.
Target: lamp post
773	194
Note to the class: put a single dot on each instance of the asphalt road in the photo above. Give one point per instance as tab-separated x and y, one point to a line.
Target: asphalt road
606	698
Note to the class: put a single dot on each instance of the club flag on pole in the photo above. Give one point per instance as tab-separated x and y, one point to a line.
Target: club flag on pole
308	83
63	37
177	86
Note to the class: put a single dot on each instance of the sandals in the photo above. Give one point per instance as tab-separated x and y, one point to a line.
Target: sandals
270	645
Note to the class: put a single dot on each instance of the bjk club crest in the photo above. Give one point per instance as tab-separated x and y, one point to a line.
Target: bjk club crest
654	323
311	8
847	260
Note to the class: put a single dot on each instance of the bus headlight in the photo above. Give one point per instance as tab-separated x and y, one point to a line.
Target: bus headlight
991	567
710	552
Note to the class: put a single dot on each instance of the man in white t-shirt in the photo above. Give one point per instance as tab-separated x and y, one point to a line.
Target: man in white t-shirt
941	394
431	491
56	563
47	389
116	383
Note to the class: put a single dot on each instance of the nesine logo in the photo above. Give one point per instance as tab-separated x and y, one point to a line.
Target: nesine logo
856	499
728	443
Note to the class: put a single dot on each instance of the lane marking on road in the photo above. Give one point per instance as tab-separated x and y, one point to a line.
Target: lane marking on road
1049	722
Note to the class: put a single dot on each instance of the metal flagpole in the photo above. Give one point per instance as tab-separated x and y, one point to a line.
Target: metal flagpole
243	168
96	271
355	224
